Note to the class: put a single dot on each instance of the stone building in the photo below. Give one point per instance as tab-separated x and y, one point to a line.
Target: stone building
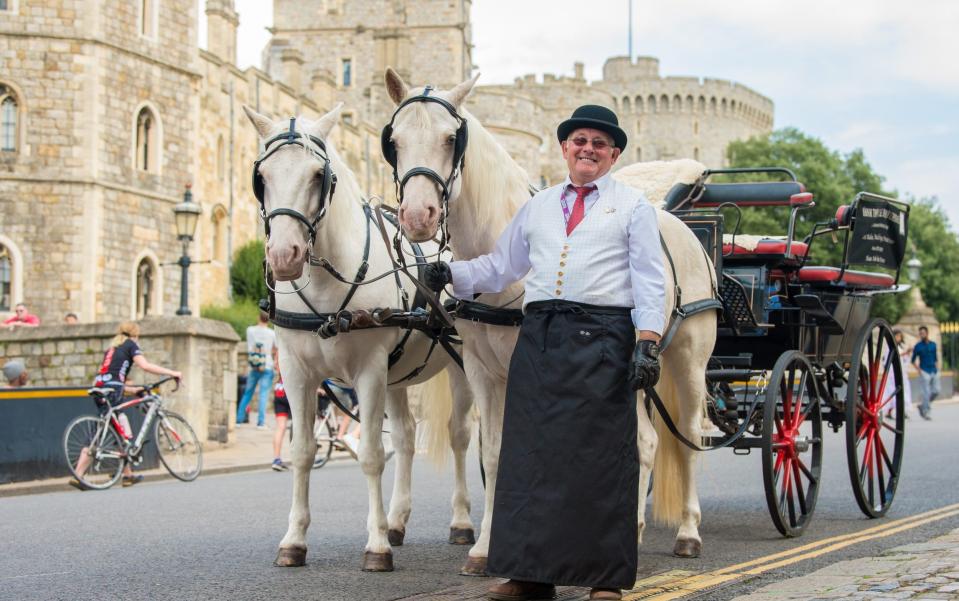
108	108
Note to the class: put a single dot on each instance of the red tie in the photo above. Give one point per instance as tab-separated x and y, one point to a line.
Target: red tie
579	207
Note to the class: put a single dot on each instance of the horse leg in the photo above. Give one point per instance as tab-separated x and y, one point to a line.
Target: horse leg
371	391
490	397
302	397
647	453
403	434
691	390
461	528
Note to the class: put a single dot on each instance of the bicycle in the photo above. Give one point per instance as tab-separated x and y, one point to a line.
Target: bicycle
326	427
102	439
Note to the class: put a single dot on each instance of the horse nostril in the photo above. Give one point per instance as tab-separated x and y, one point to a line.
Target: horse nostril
431	213
296	252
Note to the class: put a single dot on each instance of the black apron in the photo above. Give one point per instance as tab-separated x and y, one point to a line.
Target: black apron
565	508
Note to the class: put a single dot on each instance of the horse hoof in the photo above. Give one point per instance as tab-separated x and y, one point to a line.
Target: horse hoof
377	562
396	537
687	547
474	566
462	536
290	557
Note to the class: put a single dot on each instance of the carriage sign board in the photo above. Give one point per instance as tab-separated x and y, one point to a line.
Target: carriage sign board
879	234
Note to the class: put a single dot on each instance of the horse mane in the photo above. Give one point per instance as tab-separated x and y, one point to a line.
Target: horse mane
493	183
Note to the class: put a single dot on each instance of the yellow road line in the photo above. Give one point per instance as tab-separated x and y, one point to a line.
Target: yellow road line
676	584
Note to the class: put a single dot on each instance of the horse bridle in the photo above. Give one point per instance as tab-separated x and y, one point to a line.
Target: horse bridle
459	154
327	187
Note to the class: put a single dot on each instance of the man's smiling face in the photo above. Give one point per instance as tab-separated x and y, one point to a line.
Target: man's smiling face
589	154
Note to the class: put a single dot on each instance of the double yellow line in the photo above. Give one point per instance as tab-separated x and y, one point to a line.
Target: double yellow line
679	583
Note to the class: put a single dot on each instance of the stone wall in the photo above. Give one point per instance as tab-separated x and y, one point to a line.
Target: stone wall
202	349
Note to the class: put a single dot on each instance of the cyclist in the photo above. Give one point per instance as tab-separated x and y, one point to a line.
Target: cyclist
124	353
281	408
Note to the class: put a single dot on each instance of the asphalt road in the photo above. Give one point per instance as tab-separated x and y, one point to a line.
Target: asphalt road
216	538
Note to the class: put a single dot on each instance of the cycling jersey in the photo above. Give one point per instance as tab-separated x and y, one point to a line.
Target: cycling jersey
117	362
281	406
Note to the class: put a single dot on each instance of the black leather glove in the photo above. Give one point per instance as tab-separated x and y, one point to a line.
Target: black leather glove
437	275
644	370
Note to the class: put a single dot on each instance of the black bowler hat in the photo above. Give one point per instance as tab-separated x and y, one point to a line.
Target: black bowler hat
593	116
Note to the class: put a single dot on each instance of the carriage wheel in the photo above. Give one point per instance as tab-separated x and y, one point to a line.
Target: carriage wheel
875	419
792	443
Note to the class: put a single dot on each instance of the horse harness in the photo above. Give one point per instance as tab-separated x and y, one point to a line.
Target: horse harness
328	324
459	154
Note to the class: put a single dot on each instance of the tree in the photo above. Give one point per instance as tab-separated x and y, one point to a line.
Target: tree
835	179
246	275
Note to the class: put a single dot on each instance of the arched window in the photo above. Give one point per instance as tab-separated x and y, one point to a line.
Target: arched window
695	128
218	220
690	105
147	143
220	159
639	105
639	154
677	104
639	126
701	104
696	154
146	276
712	105
6	279
664	103
626	108
725	106
9	113
651	103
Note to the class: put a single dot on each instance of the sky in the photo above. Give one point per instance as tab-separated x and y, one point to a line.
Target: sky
881	75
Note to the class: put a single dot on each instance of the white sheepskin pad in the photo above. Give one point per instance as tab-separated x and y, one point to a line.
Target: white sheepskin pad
656	178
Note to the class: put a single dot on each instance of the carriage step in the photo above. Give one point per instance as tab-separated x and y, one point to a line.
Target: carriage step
739	308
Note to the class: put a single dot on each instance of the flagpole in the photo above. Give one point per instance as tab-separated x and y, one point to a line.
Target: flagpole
630	30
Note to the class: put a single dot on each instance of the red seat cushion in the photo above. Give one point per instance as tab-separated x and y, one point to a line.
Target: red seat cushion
767	247
849	277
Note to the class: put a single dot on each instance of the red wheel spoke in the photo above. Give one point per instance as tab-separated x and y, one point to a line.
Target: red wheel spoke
890	428
892	397
779	426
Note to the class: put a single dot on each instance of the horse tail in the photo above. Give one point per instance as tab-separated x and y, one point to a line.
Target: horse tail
670	467
436	406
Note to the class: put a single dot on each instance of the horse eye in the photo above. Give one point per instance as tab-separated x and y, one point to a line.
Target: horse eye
451	139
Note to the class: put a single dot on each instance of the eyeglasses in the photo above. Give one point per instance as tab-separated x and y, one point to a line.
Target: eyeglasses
598	143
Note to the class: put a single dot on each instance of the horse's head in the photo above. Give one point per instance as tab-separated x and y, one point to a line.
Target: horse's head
425	143
294	184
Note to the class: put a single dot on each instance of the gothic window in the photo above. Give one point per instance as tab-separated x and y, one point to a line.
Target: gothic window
347	72
147	141
712	105
638	105
664	103
220	159
677	104
145	289
218	243
651	103
148	18
690	104
6	276
9	112
701	104
626	104
725	106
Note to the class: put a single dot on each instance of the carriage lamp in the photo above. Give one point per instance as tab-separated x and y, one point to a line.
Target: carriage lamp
913	266
186	214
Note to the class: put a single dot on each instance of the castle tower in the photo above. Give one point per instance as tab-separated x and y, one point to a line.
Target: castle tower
221	23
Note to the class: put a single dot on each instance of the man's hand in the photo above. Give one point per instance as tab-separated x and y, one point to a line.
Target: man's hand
644	371
437	275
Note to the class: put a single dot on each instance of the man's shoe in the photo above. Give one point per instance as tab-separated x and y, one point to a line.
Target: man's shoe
279	466
352	445
605	594
77	484
518	590
131	480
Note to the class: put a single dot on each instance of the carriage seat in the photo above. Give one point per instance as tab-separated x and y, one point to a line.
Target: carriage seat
819	275
759	247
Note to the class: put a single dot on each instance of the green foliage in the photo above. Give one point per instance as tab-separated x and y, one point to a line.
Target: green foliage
834	179
240	315
246	275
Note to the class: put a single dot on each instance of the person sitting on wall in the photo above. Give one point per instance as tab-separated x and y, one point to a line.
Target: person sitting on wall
14	374
22	318
71	319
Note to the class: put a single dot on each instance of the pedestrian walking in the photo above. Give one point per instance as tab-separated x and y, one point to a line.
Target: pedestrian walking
566	491
904	353
14	374
260	342
281	410
924	355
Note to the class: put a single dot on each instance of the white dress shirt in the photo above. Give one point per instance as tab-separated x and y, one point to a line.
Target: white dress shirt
612	258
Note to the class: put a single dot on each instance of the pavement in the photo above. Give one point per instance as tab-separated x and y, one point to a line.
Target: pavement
928	570
250	449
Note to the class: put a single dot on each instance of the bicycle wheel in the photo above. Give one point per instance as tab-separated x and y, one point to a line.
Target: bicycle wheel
325	435
92	437
178	446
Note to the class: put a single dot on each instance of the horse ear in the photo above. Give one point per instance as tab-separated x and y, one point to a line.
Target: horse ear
262	123
458	94
395	86
322	128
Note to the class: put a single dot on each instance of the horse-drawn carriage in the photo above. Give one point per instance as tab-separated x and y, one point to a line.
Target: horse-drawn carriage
796	344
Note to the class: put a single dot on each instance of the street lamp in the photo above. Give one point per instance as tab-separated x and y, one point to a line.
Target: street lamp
186	215
913	266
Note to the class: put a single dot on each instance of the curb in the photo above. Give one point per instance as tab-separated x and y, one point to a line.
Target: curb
60	484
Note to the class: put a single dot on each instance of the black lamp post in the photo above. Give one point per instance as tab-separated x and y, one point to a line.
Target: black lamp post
186	214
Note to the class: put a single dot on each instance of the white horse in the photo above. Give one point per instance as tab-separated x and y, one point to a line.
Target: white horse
482	200
292	176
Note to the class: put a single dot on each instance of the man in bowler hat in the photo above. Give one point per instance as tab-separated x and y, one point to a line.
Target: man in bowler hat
566	493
